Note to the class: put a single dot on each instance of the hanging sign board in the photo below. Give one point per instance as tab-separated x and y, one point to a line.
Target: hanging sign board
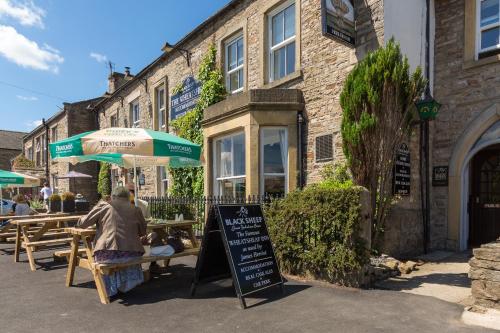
186	99
402	171
440	176
339	21
236	244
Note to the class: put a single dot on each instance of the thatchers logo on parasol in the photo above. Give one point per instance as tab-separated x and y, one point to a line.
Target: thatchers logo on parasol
179	148
117	144
8	180
64	148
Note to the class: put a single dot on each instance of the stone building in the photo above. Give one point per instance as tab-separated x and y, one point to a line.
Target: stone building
74	118
11	145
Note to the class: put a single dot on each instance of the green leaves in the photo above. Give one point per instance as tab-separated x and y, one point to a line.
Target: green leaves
104	180
189	181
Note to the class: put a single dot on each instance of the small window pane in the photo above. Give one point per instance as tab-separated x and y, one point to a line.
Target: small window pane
489	12
277	26
233	81
290	21
240	78
275	150
274	185
490	38
290	58
232	56
232	187
280	63
240	51
225	158
161	98
239	154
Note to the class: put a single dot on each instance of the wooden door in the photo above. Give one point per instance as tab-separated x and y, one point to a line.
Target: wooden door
484	226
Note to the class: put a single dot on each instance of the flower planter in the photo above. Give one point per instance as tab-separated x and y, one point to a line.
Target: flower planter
68	206
54	206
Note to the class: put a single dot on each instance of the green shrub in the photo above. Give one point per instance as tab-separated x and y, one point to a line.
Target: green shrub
104	181
37	204
336	176
68	196
55	198
316	231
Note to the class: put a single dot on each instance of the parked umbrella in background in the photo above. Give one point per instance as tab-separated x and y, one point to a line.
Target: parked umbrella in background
128	147
73	175
8	178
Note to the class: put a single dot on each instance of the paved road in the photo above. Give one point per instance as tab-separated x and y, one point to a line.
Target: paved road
39	302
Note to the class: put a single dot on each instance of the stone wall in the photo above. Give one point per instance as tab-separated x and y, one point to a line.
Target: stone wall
485	275
322	66
6	155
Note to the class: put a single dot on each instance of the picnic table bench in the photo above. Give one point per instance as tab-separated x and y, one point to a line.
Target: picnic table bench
31	240
83	257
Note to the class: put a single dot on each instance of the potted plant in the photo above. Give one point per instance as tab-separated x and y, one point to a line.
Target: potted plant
37	206
54	203
68	202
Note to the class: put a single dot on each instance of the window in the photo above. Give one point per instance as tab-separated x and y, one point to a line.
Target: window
234	65
55	182
29	153
488	39
38	149
135	114
115	178
44	149
54	134
324	148
282	41
163	177
160	107
230	166
113	120
274	160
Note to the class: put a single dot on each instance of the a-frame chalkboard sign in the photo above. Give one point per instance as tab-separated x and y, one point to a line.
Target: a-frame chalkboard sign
236	244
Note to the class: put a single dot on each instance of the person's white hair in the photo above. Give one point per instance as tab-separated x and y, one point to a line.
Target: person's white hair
120	192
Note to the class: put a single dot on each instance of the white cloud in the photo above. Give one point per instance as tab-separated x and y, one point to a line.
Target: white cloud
25	13
98	57
27	98
27	53
33	124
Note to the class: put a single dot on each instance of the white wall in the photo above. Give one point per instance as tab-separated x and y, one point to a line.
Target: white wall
405	21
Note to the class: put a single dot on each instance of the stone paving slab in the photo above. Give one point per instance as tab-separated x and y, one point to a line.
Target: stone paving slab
39	302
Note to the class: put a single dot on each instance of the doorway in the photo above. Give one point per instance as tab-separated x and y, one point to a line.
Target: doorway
484	201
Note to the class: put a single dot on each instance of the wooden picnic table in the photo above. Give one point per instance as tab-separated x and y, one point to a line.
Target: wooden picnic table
29	241
24	217
83	257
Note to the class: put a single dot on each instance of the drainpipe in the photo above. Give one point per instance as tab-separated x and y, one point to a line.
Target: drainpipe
300	122
46	151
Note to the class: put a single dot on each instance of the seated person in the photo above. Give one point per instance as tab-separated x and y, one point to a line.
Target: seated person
119	229
143	205
22	207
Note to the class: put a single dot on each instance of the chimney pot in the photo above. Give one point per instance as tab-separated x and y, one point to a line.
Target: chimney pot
127	71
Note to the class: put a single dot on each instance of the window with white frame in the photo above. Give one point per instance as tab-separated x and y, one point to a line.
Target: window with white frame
229	167
44	149
488	23
38	155
274	160
135	113
163	181
282	41
161	108
54	134
234	64
113	120
29	153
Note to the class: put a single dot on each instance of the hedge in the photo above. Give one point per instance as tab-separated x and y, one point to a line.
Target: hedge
316	231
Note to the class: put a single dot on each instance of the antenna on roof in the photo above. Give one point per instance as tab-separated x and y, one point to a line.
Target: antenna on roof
111	67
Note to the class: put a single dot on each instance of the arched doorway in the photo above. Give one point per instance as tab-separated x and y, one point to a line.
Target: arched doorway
484	199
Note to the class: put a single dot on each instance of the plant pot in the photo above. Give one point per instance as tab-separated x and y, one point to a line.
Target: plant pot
82	206
54	206
68	206
40	210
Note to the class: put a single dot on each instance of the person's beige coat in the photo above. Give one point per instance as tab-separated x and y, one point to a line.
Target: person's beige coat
119	226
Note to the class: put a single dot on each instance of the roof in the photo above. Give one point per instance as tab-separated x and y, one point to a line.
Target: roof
192	34
11	140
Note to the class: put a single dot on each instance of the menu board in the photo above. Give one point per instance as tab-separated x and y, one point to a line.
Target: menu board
248	250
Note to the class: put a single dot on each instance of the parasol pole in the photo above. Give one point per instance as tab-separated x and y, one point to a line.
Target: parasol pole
135	184
1	200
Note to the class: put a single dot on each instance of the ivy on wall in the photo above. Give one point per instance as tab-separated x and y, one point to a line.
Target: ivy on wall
189	181
104	180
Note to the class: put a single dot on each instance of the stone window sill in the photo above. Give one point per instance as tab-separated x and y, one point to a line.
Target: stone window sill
290	77
469	64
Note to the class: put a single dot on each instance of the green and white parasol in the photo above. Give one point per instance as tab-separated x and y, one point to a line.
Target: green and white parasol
9	178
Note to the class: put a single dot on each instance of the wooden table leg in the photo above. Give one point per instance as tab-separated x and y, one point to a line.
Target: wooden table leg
99	281
192	236
29	250
18	243
72	260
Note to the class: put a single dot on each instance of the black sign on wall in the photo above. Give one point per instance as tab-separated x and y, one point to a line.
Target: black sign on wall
402	171
236	243
339	20
440	176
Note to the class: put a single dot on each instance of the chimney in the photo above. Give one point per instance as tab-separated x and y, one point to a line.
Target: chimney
127	71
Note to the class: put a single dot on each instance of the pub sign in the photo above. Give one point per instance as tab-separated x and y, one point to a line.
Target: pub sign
402	171
440	176
339	20
186	99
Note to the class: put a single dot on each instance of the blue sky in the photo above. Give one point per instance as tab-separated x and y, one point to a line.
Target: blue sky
56	50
